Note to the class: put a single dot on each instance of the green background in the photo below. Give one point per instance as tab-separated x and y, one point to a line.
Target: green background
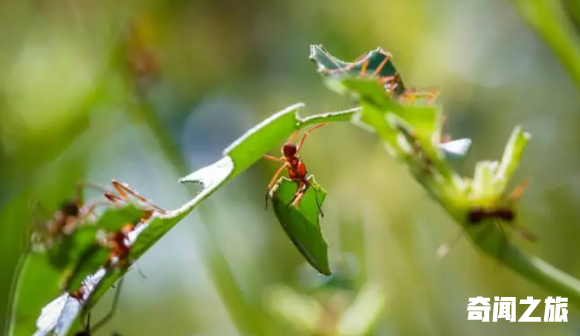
227	65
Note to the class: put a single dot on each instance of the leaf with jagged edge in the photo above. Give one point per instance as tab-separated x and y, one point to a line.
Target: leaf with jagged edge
52	267
383	110
366	66
302	224
244	152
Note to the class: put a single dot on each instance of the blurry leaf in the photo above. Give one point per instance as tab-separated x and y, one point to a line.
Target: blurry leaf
512	156
302	224
483	184
363	314
51	267
301	311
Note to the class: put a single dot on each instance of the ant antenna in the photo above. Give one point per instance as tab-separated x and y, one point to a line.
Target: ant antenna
139	270
113	308
318	204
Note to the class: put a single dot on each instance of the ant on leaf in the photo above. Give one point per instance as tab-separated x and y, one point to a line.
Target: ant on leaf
66	219
387	76
500	214
295	167
505	213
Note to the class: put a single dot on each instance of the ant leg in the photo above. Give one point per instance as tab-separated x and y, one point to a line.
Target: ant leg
519	190
86	184
139	270
363	70
291	138
483	234
122	188
274	179
113	308
382	65
300	192
273	158
318	204
385	80
526	234
349	66
306	134
277	175
88	208
503	243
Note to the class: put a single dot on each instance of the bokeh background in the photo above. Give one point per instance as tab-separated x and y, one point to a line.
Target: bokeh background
201	73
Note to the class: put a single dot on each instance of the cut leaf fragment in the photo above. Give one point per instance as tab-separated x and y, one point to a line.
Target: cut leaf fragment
302	224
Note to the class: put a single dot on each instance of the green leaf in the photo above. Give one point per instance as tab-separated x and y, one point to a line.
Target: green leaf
54	265
512	156
301	311
332	67
302	224
363	314
239	156
441	181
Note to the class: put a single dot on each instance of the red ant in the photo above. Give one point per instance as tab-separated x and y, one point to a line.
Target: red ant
66	219
392	83
117	242
295	167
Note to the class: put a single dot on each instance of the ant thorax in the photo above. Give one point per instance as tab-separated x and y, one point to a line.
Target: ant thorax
294	161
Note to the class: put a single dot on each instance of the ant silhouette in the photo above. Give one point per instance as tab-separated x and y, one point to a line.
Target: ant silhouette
499	214
295	167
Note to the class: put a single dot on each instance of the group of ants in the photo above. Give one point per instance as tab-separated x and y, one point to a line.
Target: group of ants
73	213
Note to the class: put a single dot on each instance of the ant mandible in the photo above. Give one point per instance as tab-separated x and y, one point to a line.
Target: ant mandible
294	166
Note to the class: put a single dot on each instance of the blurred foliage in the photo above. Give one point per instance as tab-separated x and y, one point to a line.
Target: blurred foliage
66	114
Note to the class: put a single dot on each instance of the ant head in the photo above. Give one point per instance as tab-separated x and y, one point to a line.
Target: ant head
289	149
70	209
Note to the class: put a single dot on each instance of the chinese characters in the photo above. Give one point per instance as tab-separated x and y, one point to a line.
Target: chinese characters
480	309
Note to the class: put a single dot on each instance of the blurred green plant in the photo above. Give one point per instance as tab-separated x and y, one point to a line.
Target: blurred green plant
411	132
337	315
550	21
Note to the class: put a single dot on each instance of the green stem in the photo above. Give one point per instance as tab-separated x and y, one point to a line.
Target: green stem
554	26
